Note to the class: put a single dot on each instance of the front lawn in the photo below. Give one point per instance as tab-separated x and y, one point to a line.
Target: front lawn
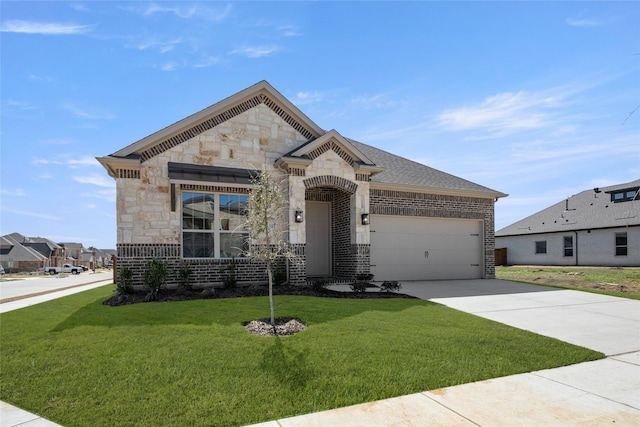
80	363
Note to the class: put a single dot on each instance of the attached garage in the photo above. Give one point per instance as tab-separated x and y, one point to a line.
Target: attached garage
419	248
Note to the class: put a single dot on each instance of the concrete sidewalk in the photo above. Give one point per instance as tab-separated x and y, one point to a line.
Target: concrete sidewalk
603	392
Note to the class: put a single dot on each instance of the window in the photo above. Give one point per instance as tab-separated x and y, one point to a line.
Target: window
213	225
568	245
626	195
541	247
621	244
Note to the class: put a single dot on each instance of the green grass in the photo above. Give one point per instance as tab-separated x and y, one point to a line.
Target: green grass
614	281
79	363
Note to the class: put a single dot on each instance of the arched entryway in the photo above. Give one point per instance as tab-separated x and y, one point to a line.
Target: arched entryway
329	221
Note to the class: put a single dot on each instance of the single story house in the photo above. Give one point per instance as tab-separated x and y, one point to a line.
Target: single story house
599	226
353	208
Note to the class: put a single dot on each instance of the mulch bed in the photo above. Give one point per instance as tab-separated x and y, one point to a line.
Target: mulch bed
244	291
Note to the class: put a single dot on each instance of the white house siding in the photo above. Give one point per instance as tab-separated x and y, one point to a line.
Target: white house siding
594	247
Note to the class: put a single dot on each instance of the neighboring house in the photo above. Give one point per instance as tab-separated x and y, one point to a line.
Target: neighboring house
16	257
73	251
353	208
99	257
600	226
48	248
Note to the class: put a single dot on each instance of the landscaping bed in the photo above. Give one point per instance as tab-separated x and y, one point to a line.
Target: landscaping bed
179	294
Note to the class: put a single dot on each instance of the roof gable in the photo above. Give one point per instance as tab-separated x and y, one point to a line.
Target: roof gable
330	141
216	114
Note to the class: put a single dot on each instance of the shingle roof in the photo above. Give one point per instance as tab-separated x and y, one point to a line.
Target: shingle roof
13	250
404	172
399	171
584	211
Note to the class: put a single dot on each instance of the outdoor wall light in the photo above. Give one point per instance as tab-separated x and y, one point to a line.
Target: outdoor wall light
365	218
299	217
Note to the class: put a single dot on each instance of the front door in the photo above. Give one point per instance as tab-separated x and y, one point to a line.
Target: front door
318	250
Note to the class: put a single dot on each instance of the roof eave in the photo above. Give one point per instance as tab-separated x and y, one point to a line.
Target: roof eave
112	163
488	194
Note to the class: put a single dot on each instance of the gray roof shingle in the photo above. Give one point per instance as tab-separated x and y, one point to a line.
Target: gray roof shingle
583	211
405	172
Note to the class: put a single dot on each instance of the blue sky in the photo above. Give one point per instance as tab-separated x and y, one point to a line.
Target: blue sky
533	99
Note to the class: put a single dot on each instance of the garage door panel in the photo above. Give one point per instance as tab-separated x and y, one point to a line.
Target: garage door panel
414	248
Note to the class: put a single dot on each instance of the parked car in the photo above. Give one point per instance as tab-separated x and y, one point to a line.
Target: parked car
66	268
1	269
84	267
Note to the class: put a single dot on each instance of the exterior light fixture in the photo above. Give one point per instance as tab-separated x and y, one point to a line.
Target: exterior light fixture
365	218
299	217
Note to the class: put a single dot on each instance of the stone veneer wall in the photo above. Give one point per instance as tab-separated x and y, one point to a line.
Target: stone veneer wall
404	203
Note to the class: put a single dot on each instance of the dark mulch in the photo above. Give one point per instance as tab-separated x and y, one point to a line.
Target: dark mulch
244	291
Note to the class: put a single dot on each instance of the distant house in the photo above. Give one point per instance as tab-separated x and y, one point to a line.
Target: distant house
17	256
600	226
73	251
352	208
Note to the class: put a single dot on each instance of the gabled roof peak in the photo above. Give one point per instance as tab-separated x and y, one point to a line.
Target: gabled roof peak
185	129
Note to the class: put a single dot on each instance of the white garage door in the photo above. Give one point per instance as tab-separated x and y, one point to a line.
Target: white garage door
414	248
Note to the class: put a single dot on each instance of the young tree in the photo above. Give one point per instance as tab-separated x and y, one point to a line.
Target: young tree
266	222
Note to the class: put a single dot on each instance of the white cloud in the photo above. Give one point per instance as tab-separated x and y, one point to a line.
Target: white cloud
12	104
304	98
504	113
43	28
256	51
83	161
66	160
374	101
41	162
57	141
159	45
169	66
289	30
16	192
581	21
38	214
184	10
207	61
95	179
86	114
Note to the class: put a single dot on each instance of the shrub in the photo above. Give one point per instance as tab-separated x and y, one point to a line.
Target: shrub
125	281
390	286
359	286
229	280
319	284
364	277
279	275
154	277
184	277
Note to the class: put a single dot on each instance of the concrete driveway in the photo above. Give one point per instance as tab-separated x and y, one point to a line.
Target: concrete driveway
607	324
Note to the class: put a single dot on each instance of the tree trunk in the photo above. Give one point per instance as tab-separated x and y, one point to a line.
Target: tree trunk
270	274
